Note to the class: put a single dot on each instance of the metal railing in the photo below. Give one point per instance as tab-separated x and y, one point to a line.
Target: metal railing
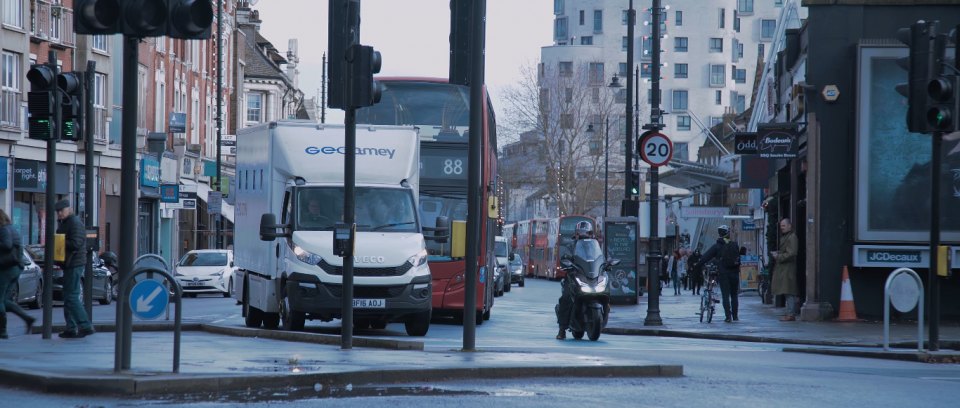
53	22
10	108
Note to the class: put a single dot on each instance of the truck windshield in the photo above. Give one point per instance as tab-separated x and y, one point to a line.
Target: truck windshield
377	209
500	249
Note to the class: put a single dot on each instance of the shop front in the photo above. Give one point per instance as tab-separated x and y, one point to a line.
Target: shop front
147	219
29	199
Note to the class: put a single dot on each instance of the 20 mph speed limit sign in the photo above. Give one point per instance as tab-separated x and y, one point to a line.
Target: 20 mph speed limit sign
655	148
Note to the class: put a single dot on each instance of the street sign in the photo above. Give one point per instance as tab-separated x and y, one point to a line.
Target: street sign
655	148
178	122
148	299
214	202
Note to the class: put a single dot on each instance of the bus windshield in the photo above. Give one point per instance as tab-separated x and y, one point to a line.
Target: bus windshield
442	111
377	209
435	204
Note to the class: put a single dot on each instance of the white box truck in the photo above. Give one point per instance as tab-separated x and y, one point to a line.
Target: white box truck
294	170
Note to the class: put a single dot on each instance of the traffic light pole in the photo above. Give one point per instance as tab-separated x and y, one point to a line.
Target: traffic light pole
934	280
349	218
654	256
219	118
83	132
128	197
51	198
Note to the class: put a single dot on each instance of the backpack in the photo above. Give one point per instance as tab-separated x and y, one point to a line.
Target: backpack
730	255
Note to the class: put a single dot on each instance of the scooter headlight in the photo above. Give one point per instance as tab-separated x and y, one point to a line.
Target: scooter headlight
584	286
602	284
305	256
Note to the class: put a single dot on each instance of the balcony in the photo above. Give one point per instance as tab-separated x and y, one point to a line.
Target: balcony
54	23
10	109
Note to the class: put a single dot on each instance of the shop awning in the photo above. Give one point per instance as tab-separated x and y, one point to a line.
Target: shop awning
203	192
694	176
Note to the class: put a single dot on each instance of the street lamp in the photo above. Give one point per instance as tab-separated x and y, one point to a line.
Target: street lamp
614	84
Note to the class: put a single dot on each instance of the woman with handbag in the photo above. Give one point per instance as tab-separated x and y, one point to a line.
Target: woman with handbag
11	265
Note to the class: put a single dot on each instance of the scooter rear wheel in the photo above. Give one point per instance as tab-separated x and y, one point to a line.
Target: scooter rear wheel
577	334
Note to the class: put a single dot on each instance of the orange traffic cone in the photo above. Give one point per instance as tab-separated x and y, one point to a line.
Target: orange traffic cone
848	312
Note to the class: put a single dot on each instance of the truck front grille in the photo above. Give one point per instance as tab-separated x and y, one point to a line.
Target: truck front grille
386	271
367	292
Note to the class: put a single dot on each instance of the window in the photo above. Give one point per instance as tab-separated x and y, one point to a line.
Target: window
622	70
646	70
740	76
718	98
568	95
566	68
586	40
718	76
560	29
624	43
566	121
100	43
582	17
254	107
745	6
595	73
597	21
760	49
680	70
624	17
767	29
142	97
736	21
680	100
678	20
681	151
646	45
558	6
683	122
716	45
161	105
680	44
739	101
778	3
10	100
161	44
100	109
56	22
722	16
13	13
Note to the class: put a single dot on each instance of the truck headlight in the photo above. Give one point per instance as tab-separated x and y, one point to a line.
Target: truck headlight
419	259
305	256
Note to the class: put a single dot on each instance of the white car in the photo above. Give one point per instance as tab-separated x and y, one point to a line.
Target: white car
206	271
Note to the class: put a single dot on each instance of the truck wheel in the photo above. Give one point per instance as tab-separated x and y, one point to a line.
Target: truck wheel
291	320
271	321
418	324
254	316
480	317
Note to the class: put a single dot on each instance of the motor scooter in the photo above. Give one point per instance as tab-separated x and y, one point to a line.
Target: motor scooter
591	292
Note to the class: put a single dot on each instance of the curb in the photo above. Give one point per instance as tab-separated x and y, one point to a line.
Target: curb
128	384
914	356
730	337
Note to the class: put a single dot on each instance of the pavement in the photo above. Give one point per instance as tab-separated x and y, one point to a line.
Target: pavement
218	358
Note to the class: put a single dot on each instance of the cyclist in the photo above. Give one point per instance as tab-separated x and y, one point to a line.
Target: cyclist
728	267
583	230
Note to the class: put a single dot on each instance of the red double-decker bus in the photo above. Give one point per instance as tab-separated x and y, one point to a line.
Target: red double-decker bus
552	239
442	113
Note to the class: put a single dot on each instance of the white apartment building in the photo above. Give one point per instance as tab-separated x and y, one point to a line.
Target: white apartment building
709	56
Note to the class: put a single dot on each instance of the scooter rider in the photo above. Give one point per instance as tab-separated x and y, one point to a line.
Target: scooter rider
583	230
727	252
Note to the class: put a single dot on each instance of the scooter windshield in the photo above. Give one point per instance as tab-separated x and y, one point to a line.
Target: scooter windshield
588	254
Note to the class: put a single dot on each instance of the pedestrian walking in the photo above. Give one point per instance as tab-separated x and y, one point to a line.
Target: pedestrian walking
674	271
78	324
11	266
728	252
695	273
785	271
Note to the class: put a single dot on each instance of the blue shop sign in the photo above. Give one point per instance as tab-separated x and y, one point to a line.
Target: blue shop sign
3	173
149	172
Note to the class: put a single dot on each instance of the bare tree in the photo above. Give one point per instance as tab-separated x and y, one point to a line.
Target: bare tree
567	108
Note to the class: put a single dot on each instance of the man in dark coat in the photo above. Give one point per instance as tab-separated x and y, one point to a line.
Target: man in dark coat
78	323
785	271
727	252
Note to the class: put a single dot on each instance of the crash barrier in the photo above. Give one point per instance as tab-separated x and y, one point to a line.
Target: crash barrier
905	290
147	299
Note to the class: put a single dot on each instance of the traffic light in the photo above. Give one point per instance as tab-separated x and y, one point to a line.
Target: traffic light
41	101
942	114
343	32
364	62
183	19
634	184
71	104
918	65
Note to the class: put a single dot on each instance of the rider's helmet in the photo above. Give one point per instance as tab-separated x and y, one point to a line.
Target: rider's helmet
723	231
583	230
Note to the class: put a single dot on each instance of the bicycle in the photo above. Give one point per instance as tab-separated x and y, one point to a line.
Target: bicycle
709	298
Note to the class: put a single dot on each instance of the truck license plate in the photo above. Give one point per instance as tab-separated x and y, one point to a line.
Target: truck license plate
369	303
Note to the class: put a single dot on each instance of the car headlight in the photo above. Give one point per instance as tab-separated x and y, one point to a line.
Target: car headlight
419	259
305	256
217	273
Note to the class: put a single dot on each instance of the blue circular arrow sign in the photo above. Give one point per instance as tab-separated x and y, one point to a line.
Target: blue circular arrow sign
148	299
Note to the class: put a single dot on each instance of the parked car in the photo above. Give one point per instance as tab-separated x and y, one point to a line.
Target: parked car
500	251
499	279
516	270
29	288
206	271
102	281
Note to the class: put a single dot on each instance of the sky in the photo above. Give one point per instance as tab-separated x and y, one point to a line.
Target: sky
412	37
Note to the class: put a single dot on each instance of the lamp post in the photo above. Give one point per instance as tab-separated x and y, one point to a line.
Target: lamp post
628	207
653	258
614	84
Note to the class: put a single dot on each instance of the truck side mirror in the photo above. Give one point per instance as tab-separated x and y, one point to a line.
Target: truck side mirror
268	227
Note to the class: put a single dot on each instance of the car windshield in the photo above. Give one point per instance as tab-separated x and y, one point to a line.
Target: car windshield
204	259
377	209
516	260
500	249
